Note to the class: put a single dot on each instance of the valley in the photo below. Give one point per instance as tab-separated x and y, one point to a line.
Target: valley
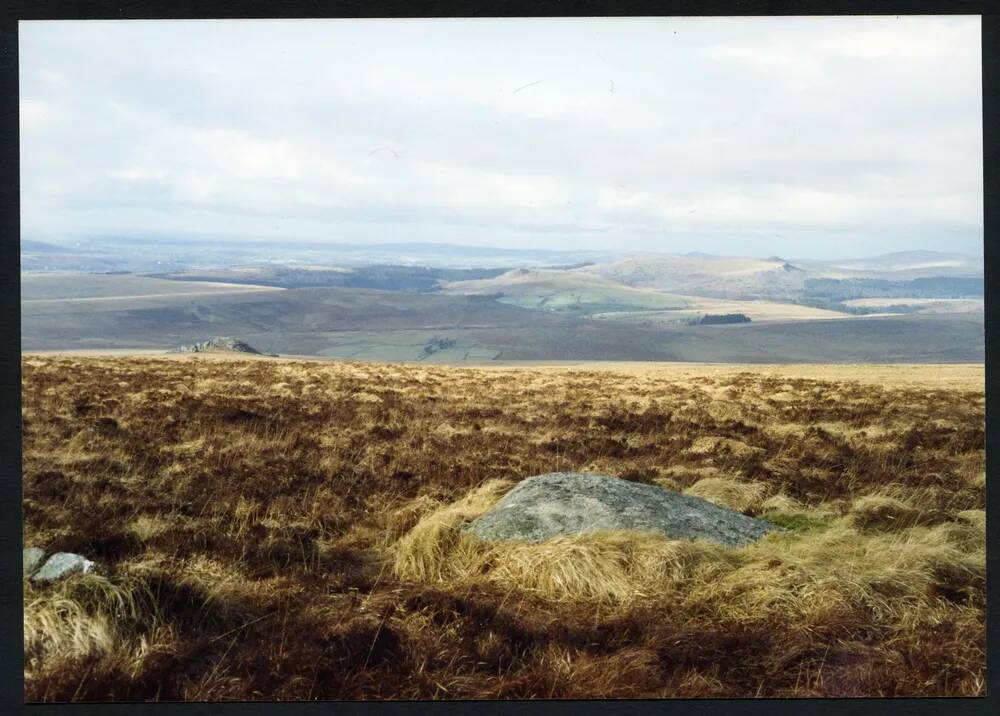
640	308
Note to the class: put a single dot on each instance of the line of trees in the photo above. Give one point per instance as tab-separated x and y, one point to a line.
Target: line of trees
716	319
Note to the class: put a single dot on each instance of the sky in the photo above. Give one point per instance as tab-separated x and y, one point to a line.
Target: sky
800	137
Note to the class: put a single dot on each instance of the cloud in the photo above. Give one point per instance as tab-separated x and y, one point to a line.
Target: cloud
34	115
633	133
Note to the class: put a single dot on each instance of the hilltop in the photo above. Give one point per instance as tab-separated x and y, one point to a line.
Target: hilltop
714	276
578	291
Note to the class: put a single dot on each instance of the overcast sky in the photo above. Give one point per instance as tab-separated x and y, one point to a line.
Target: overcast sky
807	137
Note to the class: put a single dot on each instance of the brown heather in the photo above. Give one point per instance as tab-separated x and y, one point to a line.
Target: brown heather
274	529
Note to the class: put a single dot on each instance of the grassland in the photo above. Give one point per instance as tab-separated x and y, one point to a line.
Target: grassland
49	288
273	529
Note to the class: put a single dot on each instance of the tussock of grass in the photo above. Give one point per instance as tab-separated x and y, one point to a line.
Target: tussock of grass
974	518
405	517
603	566
436	547
841	576
148	527
747	497
834	581
610	566
781	503
829	567
882	512
82	616
713	445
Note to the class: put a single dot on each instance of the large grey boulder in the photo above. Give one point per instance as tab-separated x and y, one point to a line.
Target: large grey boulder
562	503
60	565
33	558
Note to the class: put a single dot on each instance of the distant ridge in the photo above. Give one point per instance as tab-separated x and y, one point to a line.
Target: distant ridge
27	245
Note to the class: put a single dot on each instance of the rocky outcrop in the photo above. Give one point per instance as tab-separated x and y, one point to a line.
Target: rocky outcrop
218	344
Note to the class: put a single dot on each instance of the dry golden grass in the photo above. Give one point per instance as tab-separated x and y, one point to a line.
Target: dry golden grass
275	529
746	497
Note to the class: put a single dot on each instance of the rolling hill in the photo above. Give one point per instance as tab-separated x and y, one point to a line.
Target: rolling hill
392	325
61	287
713	276
575	291
630	309
903	274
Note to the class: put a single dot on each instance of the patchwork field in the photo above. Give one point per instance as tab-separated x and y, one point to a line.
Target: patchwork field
394	326
273	529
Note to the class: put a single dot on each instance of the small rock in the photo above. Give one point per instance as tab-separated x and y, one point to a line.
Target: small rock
562	503
62	564
33	558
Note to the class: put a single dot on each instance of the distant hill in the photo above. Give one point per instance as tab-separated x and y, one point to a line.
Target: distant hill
899	266
40	247
775	278
382	277
910	260
573	291
378	325
715	276
628	309
145	253
930	287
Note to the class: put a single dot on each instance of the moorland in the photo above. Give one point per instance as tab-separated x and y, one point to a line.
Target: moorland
280	529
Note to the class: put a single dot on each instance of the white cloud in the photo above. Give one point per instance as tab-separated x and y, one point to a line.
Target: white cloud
34	114
53	78
566	132
136	174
